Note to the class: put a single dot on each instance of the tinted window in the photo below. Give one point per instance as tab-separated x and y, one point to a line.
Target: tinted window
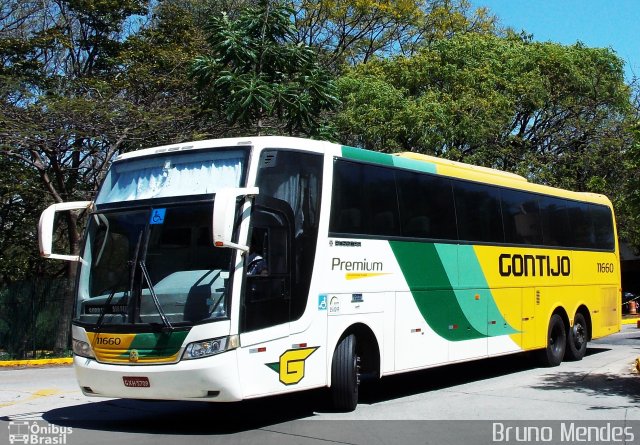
296	178
374	200
364	200
603	227
426	206
478	212
581	225
521	217
556	229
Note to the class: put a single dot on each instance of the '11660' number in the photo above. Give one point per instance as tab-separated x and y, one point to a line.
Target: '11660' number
605	267
111	341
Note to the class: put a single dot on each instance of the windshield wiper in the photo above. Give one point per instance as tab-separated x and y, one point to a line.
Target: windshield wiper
103	310
152	291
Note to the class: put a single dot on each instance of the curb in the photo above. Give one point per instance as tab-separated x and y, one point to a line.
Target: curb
39	362
630	321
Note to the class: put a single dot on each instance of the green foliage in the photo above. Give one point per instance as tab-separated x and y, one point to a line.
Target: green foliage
356	31
530	107
256	71
84	80
19	208
60	117
628	202
29	311
559	115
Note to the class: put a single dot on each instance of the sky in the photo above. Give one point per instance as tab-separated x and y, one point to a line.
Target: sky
611	24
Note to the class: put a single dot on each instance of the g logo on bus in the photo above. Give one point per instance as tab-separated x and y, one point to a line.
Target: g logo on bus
134	356
291	364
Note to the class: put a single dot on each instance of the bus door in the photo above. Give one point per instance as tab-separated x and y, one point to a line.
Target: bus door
265	310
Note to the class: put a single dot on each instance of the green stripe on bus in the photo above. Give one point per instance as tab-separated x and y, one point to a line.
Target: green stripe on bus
433	292
474	274
376	157
412	164
430	271
158	344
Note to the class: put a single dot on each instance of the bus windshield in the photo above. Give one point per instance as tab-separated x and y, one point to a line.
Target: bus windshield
174	174
135	256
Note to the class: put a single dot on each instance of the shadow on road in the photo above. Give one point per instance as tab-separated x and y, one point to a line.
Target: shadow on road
597	385
404	385
185	418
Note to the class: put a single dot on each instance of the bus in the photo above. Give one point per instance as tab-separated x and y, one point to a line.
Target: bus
372	264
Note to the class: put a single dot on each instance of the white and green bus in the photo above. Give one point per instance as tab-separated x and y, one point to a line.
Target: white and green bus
370	264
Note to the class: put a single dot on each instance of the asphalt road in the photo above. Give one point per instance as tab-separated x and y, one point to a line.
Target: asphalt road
501	400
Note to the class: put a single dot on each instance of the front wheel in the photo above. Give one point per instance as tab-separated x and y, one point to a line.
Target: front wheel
344	375
553	354
577	339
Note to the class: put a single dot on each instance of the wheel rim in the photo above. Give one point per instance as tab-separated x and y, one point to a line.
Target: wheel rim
579	337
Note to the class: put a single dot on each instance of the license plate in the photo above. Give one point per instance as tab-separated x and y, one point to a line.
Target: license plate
136	382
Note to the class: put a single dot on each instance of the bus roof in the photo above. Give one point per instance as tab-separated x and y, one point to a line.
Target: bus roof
473	169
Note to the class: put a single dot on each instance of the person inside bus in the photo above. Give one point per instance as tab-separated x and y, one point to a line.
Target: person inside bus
256	264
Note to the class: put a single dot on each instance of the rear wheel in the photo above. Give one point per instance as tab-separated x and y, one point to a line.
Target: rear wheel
553	354
344	375
577	338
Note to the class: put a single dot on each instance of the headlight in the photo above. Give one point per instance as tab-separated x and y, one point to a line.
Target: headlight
82	349
213	346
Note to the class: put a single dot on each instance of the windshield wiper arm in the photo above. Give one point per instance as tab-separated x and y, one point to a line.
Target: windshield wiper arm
103	310
163	316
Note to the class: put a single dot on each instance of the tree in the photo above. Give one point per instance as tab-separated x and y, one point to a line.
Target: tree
20	200
154	66
355	31
628	202
556	114
60	116
255	71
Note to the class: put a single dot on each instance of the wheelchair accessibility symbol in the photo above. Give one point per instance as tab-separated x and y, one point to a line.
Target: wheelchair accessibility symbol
157	216
322	302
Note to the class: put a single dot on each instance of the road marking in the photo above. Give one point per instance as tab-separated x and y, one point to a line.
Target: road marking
41	393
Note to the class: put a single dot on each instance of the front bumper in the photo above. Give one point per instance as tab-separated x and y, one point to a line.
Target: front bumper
211	379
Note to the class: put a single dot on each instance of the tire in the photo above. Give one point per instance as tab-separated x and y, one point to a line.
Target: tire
553	354
344	375
577	338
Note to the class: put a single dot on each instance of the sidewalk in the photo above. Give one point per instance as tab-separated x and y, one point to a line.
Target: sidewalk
37	362
630	319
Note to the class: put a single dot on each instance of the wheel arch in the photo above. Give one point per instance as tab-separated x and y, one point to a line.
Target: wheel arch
562	312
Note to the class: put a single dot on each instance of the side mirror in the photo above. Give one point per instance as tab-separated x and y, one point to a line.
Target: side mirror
224	213
45	228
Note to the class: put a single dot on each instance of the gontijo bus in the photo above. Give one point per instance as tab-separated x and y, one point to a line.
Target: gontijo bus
374	264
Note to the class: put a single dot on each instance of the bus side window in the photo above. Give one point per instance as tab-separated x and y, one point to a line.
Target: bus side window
267	295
